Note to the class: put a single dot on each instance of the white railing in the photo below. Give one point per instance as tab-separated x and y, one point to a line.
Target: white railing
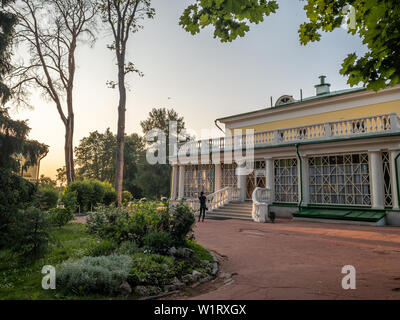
261	200
214	200
368	126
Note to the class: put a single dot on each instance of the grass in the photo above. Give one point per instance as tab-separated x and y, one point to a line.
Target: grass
24	281
21	281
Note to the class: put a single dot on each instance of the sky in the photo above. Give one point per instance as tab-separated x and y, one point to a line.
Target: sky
200	77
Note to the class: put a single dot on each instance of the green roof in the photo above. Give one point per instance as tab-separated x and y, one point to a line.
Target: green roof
308	99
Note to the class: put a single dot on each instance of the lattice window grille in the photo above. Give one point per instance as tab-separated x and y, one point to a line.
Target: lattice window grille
387	179
198	178
340	180
256	178
286	181
229	177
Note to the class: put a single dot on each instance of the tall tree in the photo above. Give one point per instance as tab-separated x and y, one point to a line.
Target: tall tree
160	118
123	18
134	149
52	30
14	143
95	156
376	22
95	159
7	25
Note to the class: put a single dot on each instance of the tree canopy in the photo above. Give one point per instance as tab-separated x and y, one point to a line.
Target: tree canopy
230	18
376	22
14	144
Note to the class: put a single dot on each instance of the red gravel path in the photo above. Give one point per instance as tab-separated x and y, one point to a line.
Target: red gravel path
300	260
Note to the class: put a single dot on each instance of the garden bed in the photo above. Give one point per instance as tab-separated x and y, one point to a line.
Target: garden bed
140	254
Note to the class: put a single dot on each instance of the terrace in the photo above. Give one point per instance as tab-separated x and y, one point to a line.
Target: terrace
337	130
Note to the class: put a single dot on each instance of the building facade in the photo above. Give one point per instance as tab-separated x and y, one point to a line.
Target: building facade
335	150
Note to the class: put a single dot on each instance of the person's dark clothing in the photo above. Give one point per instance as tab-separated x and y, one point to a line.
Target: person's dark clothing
202	212
202	201
203	206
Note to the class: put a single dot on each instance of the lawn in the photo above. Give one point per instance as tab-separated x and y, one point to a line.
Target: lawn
20	280
24	281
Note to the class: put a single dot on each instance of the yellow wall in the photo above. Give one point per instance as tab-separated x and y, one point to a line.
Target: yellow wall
358	112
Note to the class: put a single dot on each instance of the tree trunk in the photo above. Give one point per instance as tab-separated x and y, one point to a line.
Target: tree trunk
68	148
119	167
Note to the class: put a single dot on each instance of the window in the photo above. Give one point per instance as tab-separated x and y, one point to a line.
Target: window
387	179
198	178
340	179
286	181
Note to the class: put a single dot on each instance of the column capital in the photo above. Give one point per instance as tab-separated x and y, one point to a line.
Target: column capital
374	150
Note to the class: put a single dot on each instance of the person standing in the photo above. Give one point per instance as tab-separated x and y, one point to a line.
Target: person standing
203	206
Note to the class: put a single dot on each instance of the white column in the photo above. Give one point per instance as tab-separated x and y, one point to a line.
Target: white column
241	180
181	188
269	177
174	182
394	178
218	177
304	181
376	180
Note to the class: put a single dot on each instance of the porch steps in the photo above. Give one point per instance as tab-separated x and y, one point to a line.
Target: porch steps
369	217
233	210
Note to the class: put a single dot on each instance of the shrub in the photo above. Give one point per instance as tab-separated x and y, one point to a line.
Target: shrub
110	197
128	248
159	241
126	197
90	193
182	222
151	269
102	248
70	201
125	224
94	274
15	193
30	233
46	198
60	216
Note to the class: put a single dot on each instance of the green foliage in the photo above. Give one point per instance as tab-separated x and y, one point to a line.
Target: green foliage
17	152
46	198
94	274
102	248
29	233
151	269
7	23
127	224
60	216
89	194
182	222
376	22
15	193
128	247
46	182
126	197
199	251
230	18
70	200
145	223
95	156
159	241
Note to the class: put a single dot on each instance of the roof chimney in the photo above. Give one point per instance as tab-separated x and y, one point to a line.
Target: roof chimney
322	88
